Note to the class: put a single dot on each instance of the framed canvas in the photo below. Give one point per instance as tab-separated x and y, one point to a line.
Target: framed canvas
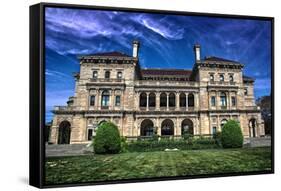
127	95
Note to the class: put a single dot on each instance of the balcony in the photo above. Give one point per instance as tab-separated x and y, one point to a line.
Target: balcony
221	83
107	80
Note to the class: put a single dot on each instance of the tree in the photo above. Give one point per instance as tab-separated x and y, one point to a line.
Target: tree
107	140
264	103
231	135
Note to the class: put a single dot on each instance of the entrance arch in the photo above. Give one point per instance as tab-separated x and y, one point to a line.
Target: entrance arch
252	127
64	133
147	128
167	127
187	127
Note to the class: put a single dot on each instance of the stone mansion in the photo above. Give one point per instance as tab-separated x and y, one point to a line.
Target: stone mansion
170	102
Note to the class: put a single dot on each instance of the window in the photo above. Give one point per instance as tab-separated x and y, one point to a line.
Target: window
90	134
107	74
233	101
214	130
221	77
224	121
246	91
212	79
152	100
182	100
223	99
143	99
213	101
119	75
92	100
95	74
172	100
190	99
105	98
231	79
117	100
163	100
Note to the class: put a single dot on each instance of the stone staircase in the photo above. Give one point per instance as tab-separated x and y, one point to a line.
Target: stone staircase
257	142
68	150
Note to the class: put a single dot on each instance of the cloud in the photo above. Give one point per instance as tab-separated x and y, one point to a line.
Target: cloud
161	26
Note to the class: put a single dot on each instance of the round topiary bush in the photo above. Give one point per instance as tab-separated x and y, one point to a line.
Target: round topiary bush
231	135
107	140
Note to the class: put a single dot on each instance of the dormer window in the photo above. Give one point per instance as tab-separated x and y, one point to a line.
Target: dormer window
107	74
119	75
221	78
95	74
212	79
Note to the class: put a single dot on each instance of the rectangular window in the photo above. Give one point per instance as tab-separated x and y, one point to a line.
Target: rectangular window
90	134
246	91
92	100
233	101
117	100
213	101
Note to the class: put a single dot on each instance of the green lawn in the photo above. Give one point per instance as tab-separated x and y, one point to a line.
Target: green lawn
155	164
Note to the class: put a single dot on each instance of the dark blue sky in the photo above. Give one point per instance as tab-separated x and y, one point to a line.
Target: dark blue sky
166	42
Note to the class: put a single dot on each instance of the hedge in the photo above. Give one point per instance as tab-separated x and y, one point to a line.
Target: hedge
181	144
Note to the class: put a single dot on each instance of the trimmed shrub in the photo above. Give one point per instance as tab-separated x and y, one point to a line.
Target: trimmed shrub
231	135
107	140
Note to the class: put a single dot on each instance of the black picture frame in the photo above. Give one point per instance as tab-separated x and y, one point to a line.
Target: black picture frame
37	92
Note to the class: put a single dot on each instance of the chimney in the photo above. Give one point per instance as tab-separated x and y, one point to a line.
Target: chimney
197	52
136	46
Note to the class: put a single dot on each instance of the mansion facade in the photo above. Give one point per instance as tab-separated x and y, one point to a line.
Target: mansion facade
170	102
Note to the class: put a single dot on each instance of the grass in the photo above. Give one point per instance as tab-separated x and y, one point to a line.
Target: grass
155	164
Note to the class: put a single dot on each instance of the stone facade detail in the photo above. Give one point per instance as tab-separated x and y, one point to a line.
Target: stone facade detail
113	87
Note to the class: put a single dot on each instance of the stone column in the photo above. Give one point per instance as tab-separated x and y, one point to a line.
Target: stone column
113	98
177	101
167	102
97	99
137	104
147	101
157	99
217	100
98	104
196	100
186	101
228	100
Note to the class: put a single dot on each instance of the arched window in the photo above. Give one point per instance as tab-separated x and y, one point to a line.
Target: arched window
152	102
223	122
231	79
172	100
64	133
221	77
143	99
95	74
182	100
190	100
187	127
212	79
223	99
163	100
119	75
167	127
105	99
107	74
147	128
